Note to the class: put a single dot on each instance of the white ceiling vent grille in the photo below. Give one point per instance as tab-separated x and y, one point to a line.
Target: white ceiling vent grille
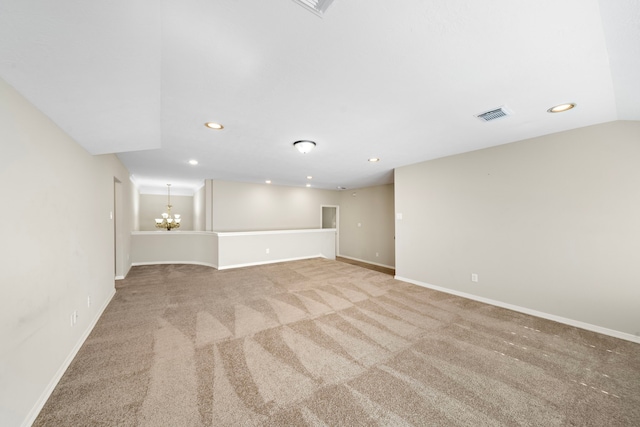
319	7
495	114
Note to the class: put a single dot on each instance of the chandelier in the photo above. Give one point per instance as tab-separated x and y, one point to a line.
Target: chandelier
168	222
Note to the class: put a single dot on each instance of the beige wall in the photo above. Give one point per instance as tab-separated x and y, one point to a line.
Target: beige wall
175	247
551	224
152	206
367	224
238	206
238	249
57	251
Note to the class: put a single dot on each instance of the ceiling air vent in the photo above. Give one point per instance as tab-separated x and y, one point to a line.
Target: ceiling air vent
319	7
495	114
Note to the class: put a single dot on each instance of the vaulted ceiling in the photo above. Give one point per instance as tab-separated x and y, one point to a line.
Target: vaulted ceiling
396	80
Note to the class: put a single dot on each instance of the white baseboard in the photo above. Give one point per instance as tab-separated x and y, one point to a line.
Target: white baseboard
367	262
226	267
559	319
251	264
135	264
125	273
33	414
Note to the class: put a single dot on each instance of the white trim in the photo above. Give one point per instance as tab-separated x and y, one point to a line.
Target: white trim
226	267
230	233
119	277
35	410
136	264
128	269
168	233
258	233
274	261
559	319
367	262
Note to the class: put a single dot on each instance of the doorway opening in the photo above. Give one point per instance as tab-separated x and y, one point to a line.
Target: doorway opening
116	216
330	218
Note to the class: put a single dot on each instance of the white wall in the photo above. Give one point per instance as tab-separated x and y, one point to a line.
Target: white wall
367	225
135	200
550	224
238	206
152	206
57	250
199	209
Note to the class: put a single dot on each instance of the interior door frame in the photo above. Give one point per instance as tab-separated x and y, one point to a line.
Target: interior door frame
337	208
116	217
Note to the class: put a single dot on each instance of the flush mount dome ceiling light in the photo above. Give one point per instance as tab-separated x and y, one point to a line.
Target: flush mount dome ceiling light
214	126
562	108
304	146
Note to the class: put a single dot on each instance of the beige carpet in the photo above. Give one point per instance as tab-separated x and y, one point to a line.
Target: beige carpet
320	342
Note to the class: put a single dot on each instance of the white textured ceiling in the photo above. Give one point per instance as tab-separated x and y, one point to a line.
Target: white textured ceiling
397	80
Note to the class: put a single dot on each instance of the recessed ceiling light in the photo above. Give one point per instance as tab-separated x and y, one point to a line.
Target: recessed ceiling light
308	185
268	181
374	159
309	177
215	126
561	108
193	162
341	188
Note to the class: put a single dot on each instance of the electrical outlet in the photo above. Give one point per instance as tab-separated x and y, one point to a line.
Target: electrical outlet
474	277
267	250
377	254
88	302
74	317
